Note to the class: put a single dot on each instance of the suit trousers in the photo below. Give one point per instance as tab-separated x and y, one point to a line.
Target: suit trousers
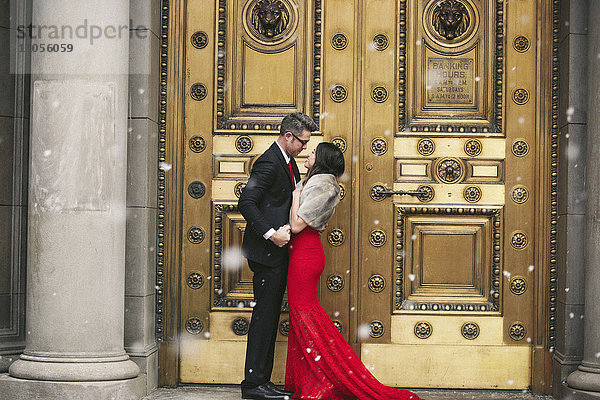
269	286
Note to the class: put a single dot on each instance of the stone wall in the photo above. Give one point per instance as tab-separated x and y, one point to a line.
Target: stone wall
141	187
142	167
572	163
14	139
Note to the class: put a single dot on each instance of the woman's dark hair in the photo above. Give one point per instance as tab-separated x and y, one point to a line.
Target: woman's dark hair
329	159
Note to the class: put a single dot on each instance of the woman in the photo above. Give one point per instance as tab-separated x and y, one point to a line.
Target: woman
320	364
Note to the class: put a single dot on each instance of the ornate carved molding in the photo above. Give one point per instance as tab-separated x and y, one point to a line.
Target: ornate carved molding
449	36
493	303
553	264
222	119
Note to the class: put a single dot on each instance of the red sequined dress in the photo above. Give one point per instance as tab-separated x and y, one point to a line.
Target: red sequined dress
320	363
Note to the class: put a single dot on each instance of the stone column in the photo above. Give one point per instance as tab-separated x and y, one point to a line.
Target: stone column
587	376
76	243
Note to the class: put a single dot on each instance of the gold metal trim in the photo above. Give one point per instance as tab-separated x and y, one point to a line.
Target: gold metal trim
339	41
340	142
338	93
240	326
198	91
423	330
519	194
521	44
196	235
342	192
376	329
472	194
517	331
237	190
339	326
199	40
426	147
470	330
336	237
401	304
195	280
378	146
379	94
335	282
197	144
284	327
520	148
244	144
377	237
449	170
380	42
194	326
376	283
518	285
473	147
519	240
520	96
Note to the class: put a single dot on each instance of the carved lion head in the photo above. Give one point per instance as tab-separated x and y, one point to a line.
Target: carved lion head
450	19
270	17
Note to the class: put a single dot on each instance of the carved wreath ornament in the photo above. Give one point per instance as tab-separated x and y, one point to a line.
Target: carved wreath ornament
270	17
450	19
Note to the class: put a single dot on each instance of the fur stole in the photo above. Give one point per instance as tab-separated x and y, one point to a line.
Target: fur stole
318	199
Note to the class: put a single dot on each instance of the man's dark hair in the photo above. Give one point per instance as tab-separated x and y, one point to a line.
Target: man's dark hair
296	123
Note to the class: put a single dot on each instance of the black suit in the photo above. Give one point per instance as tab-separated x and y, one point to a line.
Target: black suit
265	203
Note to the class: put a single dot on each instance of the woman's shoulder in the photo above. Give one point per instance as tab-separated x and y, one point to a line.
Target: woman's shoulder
321	183
322	179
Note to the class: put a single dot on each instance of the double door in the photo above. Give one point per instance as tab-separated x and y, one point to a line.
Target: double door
433	269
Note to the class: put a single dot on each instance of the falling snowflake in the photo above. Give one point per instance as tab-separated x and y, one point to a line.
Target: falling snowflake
233	259
363	331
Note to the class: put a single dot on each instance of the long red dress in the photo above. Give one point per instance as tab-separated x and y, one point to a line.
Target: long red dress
320	363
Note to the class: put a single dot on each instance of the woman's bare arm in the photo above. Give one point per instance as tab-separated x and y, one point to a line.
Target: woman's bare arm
296	222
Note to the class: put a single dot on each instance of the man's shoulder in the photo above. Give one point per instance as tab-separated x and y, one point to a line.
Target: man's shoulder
269	156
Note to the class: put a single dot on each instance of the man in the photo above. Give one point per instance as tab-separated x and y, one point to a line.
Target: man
265	204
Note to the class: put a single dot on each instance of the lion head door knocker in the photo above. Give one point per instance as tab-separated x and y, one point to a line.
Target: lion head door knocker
270	21
451	21
270	17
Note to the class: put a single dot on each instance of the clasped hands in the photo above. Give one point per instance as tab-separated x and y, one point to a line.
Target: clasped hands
281	237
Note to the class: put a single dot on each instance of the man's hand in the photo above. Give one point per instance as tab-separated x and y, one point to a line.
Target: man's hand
281	237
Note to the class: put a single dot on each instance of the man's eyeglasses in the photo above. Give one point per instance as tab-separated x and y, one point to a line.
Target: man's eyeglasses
304	142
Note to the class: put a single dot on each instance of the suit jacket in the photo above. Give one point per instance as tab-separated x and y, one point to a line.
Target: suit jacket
265	203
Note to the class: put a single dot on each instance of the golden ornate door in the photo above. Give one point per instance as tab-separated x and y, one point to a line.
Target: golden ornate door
435	266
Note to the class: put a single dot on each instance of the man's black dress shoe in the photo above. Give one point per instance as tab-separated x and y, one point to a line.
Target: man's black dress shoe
263	392
277	390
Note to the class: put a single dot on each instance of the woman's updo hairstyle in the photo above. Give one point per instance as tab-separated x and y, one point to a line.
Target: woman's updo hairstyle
329	159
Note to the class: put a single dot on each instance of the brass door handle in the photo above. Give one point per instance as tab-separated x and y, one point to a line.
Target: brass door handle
423	193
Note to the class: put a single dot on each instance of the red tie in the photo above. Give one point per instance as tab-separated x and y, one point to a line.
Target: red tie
292	173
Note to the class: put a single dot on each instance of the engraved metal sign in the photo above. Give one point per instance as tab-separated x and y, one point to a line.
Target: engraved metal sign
450	81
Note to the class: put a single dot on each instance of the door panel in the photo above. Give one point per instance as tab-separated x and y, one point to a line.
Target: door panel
439	280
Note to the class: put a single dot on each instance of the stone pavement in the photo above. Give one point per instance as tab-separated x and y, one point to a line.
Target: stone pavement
233	393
